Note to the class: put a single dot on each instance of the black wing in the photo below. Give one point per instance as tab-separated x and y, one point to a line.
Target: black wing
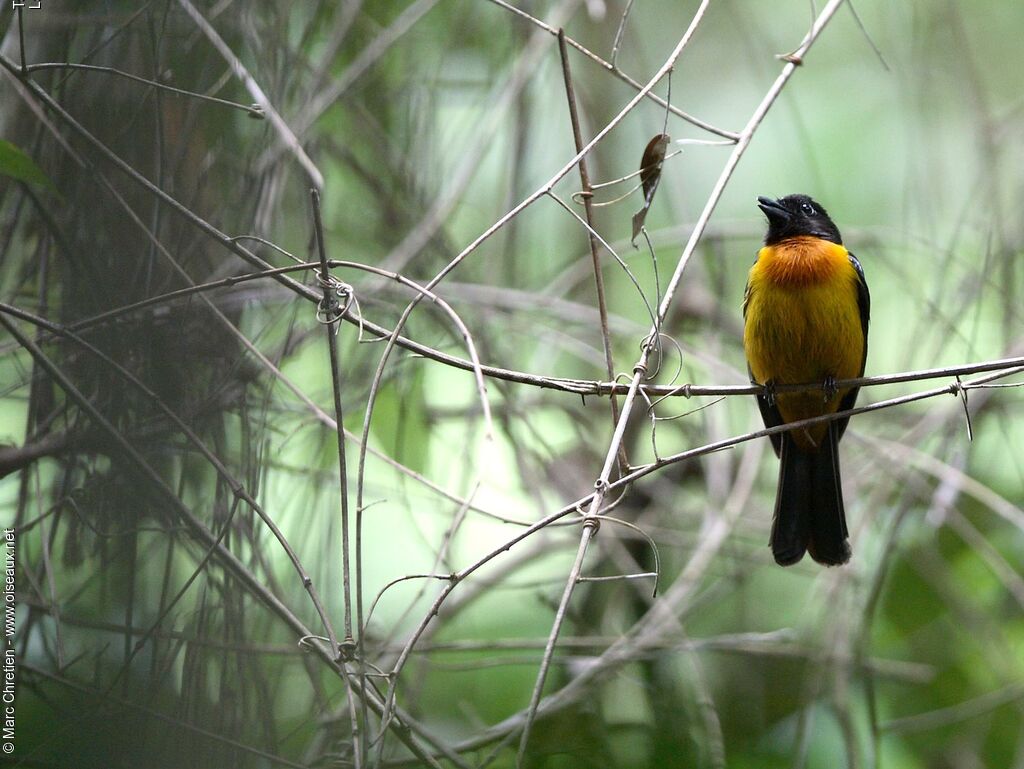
864	306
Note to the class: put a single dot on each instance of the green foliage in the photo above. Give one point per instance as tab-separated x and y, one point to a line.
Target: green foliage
15	164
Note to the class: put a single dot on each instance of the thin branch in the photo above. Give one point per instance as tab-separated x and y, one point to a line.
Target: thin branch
588	208
252	110
285	133
954	714
326	97
589	529
332	316
524	71
614	70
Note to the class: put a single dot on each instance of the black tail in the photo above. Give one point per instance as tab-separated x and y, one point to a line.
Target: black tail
809	515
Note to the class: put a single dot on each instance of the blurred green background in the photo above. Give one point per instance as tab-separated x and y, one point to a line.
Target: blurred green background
140	645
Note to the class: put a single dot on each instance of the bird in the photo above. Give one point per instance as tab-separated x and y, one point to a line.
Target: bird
806	309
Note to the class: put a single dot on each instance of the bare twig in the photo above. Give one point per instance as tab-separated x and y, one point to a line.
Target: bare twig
254	111
285	133
322	100
614	70
587	194
332	316
935	719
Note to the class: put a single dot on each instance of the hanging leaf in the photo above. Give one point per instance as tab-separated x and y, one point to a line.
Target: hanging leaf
650	175
650	165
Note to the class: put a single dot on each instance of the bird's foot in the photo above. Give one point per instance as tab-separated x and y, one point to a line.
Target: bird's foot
829	388
769	392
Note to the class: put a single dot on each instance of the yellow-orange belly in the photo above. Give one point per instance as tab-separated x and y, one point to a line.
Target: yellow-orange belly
803	325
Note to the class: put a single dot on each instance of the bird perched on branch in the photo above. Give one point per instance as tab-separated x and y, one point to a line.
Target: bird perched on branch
805	314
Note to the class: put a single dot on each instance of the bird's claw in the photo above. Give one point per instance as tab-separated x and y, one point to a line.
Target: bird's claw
769	392
829	388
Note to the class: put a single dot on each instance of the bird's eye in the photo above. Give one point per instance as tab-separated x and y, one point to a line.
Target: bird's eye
808	209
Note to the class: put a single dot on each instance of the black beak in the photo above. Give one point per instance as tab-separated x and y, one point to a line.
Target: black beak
773	210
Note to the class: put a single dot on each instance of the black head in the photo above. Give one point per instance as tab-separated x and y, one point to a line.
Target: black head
796	215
